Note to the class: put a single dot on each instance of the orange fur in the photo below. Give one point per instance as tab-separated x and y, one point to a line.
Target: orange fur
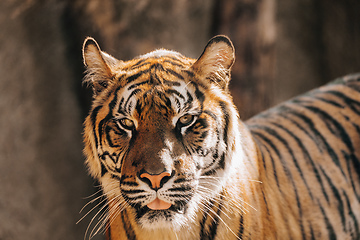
291	172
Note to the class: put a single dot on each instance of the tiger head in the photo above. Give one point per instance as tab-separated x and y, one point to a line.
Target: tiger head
159	137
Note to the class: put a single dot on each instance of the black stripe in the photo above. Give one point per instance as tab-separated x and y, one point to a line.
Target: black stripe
357	127
262	155
136	76
181	196
132	191
208	232
312	232
265	202
331	232
101	126
200	96
261	136
140	65
175	92
180	189
226	116
94	114
335	104
175	74
136	91
137	84
130	184
219	165
102	123
174	64
289	175
334	126
215	223
276	150
114	157
121	107
189	101
352	215
181	180
136	64
203	231
130	234
174	59
133	199
157	66
353	104
241	227
103	169
115	177
190	73
108	116
171	83
319	136
118	131
353	163
337	197
93	117
210	172
307	154
211	114
288	147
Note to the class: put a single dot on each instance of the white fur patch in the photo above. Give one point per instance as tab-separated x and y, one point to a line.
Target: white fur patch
160	53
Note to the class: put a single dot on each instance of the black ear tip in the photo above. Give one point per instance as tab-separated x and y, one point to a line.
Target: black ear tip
221	38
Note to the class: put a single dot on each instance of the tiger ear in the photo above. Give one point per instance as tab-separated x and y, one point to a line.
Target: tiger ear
98	64
216	61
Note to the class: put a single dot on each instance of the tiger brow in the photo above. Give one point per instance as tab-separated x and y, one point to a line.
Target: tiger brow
133	93
140	63
137	84
177	93
174	63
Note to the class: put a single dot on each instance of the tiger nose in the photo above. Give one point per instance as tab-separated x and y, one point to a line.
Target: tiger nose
155	181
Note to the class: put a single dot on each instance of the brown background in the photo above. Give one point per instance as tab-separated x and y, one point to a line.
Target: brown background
283	48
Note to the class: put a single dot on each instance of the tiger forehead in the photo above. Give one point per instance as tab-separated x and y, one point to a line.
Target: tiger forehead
160	86
166	60
169	67
156	101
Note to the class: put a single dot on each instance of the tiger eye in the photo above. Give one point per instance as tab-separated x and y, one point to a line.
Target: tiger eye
186	119
127	123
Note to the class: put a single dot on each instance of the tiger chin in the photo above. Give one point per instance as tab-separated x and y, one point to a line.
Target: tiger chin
164	140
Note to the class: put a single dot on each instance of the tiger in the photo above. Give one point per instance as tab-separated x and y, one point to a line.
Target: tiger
174	160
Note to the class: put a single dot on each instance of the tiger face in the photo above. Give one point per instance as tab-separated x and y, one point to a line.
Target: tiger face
159	132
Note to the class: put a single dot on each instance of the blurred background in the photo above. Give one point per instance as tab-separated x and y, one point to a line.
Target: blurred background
283	48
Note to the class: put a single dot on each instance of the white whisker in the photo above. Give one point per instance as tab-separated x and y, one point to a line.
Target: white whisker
218	216
97	205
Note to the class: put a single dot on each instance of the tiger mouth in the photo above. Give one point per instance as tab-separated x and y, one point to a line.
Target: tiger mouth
177	208
159	204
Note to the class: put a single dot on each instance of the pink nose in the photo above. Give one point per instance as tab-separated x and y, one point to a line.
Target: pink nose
156	180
